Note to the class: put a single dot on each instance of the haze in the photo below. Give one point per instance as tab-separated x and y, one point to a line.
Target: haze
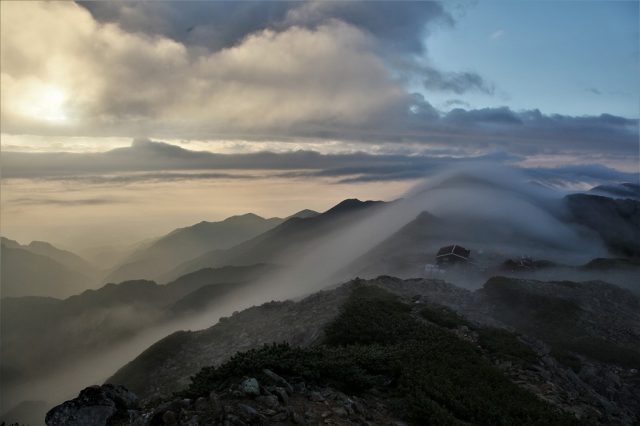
167	164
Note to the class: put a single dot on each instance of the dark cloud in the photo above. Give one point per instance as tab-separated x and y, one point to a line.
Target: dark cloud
137	177
457	103
209	24
590	173
147	161
401	26
67	202
501	115
456	82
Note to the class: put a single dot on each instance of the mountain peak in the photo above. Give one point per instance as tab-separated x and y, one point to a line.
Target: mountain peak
351	204
41	244
304	214
244	217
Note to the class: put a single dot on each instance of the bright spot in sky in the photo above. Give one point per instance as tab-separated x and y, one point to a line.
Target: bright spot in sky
45	102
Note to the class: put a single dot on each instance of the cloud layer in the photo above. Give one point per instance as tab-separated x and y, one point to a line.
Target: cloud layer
146	161
255	70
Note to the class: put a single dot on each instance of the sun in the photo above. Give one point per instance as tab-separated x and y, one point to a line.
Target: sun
45	102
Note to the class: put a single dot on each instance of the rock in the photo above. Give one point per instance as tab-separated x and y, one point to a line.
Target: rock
169	418
280	417
214	401
300	387
281	394
357	407
250	387
248	412
278	380
96	406
297	418
340	411
269	401
201	404
157	415
316	397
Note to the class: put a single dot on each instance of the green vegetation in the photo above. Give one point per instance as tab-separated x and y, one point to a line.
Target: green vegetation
505	345
443	316
556	321
428	375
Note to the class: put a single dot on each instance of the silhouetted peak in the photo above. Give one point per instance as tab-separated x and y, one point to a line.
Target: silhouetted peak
351	204
304	214
41	245
246	216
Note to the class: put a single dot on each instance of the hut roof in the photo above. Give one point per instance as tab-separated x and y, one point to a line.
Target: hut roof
454	250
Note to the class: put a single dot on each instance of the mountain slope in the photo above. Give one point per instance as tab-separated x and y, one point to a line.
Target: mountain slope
616	221
623	190
38	334
445	377
25	273
283	242
187	243
64	257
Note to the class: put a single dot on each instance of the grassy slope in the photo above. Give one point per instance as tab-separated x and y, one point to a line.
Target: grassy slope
427	373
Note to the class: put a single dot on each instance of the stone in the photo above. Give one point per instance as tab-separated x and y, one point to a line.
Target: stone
297	418
96	405
280	417
282	395
278	380
250	387
214	402
201	404
269	401
248	412
169	418
340	411
316	397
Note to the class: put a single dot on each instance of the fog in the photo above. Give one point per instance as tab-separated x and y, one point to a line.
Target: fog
497	208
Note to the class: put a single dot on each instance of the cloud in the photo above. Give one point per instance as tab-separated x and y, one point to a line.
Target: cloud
279	71
147	161
104	80
67	202
456	82
218	25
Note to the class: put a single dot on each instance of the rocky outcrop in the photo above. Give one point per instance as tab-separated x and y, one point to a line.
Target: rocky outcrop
106	405
245	402
172	361
578	379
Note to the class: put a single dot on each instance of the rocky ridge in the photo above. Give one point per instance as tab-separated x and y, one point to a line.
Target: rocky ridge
587	388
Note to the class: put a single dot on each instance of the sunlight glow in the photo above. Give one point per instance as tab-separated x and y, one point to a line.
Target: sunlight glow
45	102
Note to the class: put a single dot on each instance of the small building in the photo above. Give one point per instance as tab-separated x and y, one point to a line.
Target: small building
451	255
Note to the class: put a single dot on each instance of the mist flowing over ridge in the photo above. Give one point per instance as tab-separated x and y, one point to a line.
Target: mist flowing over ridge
490	209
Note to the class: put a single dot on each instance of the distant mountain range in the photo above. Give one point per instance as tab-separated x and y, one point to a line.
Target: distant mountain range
40	269
38	333
203	263
623	190
180	245
280	244
573	345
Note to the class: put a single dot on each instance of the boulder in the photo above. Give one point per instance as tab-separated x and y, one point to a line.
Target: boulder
250	387
96	406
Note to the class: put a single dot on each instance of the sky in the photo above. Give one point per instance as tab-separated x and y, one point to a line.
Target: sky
123	120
